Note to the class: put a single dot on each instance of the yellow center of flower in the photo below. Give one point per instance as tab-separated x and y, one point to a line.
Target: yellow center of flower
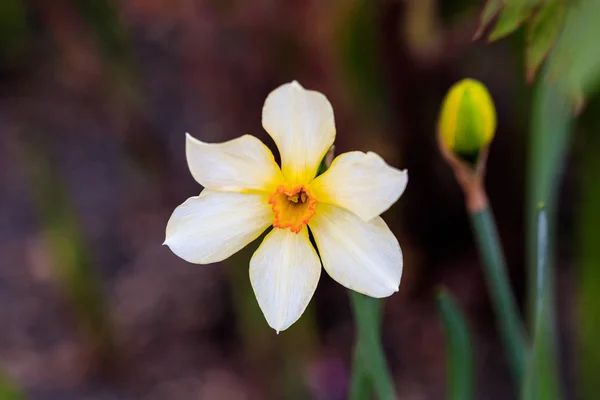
293	207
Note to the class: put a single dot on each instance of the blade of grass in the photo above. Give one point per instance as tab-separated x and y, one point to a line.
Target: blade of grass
367	314
507	313
459	351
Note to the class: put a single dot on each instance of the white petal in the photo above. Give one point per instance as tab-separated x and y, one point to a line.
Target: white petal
284	273
302	125
363	256
242	164
213	226
362	183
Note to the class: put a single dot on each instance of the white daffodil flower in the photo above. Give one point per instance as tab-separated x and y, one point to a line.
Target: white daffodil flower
246	192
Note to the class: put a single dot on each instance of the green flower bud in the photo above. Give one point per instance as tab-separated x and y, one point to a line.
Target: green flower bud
467	119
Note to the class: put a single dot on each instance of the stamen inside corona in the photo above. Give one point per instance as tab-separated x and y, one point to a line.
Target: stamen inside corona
293	207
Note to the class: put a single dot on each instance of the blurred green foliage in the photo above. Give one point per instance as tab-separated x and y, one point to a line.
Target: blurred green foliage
563	33
8	389
70	255
542	34
14	30
577	60
360	55
511	15
103	20
567	27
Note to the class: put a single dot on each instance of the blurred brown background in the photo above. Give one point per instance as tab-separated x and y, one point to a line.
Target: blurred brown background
95	98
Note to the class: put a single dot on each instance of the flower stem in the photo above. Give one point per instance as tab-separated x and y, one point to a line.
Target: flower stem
369	366
507	314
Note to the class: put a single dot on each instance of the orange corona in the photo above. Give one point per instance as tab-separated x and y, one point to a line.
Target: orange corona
293	207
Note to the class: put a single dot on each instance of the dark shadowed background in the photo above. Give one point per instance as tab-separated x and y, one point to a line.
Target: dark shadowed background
95	99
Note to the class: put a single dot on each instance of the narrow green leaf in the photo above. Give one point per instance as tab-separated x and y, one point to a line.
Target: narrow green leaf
542	34
541	257
459	350
507	312
549	143
541	379
551	124
549	139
